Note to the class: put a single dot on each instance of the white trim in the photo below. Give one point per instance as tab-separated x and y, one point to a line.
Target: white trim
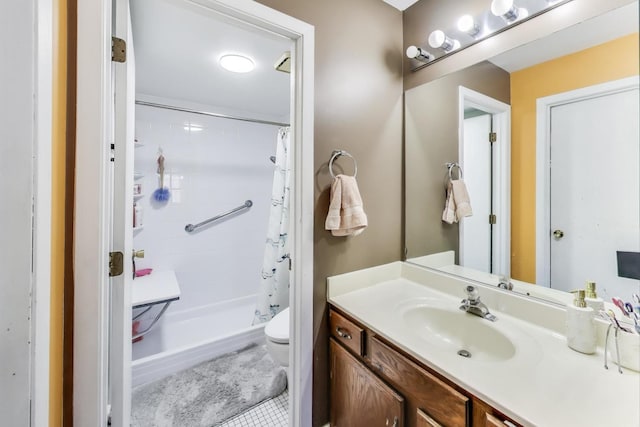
543	170
91	213
41	298
94	25
501	113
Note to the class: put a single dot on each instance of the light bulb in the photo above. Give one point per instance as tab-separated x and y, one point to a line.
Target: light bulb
468	25
504	9
415	52
438	39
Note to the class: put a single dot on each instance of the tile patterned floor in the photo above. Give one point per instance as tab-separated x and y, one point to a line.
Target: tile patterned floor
270	413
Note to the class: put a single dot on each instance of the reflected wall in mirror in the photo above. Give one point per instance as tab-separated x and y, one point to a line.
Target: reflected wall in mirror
594	182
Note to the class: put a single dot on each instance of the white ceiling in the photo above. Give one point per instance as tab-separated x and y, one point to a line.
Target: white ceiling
177	47
617	23
400	4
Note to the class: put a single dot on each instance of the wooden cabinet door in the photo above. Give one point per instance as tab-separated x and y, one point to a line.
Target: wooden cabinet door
358	397
433	397
424	420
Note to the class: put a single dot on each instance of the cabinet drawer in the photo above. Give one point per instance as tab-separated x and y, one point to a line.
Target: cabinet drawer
424	420
441	402
493	421
347	332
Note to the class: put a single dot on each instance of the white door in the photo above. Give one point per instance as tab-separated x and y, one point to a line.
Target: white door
17	136
476	241
121	234
487	175
595	188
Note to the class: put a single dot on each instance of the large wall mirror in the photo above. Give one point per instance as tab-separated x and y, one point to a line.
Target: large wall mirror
546	137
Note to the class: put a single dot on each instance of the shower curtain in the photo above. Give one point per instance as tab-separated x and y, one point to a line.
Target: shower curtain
274	287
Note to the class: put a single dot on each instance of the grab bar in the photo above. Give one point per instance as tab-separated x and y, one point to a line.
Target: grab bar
190	227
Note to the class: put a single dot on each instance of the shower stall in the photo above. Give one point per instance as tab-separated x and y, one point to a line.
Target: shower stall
212	165
216	131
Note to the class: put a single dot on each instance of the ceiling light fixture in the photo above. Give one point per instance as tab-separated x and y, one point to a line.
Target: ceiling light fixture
507	10
421	55
468	25
439	40
189	127
237	63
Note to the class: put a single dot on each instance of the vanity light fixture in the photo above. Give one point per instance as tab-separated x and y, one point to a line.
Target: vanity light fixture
507	10
439	40
421	55
468	25
237	63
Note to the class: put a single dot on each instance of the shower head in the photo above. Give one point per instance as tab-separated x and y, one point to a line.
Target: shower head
273	159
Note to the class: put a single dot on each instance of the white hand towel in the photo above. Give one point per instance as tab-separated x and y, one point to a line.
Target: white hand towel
449	213
461	198
346	215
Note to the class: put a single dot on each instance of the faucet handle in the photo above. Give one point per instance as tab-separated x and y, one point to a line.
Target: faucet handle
472	293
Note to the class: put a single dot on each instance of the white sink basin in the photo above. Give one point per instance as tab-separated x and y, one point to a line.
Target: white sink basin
459	332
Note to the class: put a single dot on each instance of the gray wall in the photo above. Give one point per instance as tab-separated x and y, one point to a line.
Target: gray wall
431	140
358	107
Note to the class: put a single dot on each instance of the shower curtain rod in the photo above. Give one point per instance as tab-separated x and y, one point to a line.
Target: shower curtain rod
207	113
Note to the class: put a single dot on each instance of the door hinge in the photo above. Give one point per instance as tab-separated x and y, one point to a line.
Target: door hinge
493	137
116	264
118	50
493	219
112	153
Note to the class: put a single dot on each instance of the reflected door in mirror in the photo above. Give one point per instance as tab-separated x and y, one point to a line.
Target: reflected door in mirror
595	187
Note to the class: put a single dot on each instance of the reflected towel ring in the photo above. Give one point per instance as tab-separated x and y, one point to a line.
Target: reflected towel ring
450	166
337	153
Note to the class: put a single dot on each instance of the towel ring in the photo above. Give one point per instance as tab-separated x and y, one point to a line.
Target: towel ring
450	166
337	153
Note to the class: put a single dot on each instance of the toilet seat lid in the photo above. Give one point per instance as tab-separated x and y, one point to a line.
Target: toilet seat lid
277	330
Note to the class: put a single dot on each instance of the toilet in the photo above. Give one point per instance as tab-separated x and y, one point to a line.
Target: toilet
277	337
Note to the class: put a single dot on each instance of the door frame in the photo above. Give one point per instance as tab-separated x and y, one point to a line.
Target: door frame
501	114
31	102
94	88
543	169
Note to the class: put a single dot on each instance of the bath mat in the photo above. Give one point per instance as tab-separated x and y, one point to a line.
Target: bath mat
208	394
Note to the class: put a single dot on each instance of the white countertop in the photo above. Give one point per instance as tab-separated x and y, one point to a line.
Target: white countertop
544	384
155	288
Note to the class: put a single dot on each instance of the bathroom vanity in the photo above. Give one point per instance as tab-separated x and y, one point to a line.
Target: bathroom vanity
402	353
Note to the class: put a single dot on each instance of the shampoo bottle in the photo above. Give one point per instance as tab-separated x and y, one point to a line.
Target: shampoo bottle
592	299
581	330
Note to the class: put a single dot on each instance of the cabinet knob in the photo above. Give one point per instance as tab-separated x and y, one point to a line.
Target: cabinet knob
342	334
558	234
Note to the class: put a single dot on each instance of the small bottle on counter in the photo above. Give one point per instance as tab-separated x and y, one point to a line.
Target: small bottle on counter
581	330
592	299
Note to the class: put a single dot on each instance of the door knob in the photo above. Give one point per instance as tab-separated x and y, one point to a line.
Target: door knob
558	234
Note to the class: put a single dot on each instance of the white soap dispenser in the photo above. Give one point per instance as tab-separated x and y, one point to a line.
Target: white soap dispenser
581	330
592	299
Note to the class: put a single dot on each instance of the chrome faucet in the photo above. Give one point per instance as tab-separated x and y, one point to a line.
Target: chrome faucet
473	305
505	283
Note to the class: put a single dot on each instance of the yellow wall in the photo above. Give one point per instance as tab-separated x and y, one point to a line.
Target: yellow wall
58	208
610	61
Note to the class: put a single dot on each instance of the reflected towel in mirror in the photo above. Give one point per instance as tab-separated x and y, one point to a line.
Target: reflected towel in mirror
457	204
461	197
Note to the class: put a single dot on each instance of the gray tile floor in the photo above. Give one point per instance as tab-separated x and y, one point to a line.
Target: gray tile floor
270	413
